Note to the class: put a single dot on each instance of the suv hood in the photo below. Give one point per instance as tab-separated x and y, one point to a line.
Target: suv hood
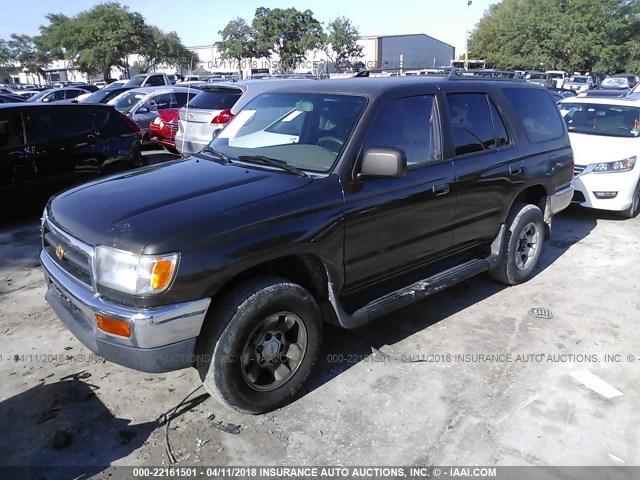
589	149
133	210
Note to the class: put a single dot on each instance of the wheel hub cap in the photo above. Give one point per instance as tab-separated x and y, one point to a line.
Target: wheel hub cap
274	351
270	348
527	246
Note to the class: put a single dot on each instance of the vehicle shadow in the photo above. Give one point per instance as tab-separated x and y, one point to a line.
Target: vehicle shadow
341	349
20	242
62	431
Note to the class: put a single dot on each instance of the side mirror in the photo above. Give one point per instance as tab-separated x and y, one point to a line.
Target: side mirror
143	110
383	162
45	99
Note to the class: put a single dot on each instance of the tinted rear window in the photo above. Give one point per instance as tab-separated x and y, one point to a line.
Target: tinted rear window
58	124
215	99
538	113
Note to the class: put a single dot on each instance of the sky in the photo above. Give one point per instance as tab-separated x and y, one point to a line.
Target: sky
198	22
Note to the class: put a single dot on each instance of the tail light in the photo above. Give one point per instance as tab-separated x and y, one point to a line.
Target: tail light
134	126
222	118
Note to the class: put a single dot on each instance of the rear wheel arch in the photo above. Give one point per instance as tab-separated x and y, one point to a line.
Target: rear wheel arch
534	195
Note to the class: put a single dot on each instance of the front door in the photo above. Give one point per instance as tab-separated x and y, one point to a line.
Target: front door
393	224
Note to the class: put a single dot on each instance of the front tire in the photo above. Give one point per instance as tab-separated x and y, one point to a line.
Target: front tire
257	349
522	245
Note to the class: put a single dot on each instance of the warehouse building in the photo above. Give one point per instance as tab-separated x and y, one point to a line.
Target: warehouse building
414	51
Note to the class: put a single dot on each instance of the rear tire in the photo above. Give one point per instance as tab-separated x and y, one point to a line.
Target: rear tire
522	245
634	209
257	349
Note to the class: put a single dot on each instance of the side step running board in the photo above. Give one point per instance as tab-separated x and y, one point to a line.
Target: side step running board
418	290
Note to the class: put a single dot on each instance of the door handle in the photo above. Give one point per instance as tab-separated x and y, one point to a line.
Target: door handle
515	170
441	189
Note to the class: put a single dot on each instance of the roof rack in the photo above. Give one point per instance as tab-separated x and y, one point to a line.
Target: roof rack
484	75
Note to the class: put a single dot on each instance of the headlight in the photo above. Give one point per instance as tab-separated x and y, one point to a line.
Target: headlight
613	167
157	121
135	274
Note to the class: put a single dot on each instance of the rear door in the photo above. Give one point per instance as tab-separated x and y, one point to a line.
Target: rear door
64	143
394	224
15	164
488	170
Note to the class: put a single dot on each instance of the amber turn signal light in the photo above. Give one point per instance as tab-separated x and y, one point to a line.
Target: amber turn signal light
111	325
161	274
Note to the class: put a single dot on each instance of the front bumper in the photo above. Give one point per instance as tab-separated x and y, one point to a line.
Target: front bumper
162	338
588	183
189	147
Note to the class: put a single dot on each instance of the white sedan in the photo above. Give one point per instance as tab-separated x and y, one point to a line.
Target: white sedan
605	137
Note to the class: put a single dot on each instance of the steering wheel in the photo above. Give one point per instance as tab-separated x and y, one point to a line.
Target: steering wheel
325	141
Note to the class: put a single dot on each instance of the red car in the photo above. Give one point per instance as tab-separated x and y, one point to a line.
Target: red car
164	127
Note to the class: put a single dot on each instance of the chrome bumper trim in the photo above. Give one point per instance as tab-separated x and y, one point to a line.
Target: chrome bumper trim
150	327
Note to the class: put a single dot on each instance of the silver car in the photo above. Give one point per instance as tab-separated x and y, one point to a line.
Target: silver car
143	104
209	111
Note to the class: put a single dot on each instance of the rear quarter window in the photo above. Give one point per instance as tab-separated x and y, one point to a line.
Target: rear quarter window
537	112
215	99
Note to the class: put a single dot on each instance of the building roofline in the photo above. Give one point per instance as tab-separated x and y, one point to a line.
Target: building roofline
367	37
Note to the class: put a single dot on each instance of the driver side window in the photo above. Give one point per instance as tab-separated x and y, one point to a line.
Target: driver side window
410	124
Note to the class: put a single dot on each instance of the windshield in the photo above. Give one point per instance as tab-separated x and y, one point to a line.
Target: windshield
307	131
38	96
578	80
538	76
615	83
555	75
597	119
127	100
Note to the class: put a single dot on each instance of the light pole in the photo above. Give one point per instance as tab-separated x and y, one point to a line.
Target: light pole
466	35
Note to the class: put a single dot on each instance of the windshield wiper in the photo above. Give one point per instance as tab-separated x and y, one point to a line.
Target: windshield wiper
272	162
217	154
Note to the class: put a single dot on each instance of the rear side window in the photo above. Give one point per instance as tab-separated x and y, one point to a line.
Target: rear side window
471	122
538	113
11	134
222	99
73	93
181	99
155	81
55	96
502	138
53	124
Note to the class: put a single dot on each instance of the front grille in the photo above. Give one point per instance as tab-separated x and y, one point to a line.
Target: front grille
75	260
578	169
172	126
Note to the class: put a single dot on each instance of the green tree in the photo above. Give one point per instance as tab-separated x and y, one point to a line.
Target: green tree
159	48
341	46
5	54
288	32
96	40
582	35
238	42
23	51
